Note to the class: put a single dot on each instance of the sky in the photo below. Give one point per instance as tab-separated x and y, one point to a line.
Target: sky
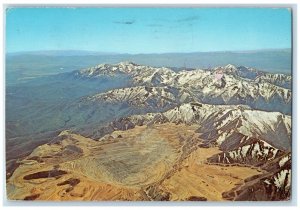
147	30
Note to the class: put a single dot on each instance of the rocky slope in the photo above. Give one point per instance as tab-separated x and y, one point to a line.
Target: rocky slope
274	184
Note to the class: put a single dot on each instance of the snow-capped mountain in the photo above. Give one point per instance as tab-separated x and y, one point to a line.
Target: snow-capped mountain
227	126
126	67
253	152
229	130
221	85
139	96
281	80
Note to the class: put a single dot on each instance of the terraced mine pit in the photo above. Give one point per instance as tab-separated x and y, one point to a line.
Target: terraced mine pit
158	162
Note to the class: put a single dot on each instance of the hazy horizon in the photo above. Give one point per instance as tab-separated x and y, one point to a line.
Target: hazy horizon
139	53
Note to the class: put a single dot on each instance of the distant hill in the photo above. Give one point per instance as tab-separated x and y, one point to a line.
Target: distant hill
23	66
61	53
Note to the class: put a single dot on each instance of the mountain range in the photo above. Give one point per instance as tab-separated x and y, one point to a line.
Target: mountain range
239	116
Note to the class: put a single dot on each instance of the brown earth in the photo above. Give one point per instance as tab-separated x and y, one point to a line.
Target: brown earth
159	162
209	181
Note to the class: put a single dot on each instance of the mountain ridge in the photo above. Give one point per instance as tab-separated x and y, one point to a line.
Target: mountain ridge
221	85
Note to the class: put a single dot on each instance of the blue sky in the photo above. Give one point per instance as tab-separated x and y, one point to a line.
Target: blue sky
147	30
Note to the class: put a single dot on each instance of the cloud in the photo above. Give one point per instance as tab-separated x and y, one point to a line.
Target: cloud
127	22
178	20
